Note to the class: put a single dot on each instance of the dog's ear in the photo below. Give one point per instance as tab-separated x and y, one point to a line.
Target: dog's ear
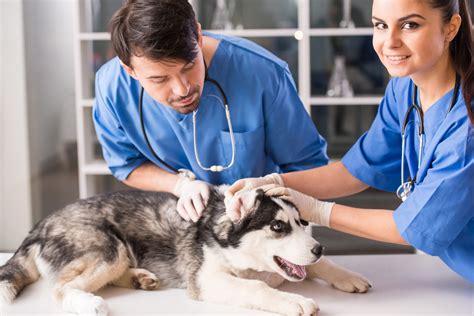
242	204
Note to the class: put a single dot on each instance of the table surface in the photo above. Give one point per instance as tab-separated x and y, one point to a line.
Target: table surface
403	285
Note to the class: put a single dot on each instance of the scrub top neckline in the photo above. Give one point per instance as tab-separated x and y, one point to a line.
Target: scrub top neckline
438	101
438	111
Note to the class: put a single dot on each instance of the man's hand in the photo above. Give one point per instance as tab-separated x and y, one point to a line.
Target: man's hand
193	196
311	209
250	184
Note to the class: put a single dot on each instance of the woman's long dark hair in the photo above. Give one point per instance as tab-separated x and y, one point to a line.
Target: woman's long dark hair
462	47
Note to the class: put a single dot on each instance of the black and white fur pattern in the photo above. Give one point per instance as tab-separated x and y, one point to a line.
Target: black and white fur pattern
136	239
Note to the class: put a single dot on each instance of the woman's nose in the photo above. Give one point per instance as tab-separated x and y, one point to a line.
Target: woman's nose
393	39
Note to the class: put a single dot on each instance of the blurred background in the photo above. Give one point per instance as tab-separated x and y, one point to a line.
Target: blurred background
51	49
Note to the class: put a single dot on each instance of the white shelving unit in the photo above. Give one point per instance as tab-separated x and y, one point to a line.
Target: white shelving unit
90	168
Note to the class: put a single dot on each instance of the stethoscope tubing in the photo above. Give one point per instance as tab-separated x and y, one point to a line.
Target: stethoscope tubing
407	184
213	168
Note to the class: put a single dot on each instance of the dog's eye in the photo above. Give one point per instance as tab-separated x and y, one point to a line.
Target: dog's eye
277	226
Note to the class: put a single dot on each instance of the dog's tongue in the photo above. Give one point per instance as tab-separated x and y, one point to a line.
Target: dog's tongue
300	271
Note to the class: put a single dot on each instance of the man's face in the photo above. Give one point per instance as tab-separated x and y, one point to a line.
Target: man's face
174	83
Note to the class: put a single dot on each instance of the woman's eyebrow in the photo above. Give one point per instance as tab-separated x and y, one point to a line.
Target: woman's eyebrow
413	15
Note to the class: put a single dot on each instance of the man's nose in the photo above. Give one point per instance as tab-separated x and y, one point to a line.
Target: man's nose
181	86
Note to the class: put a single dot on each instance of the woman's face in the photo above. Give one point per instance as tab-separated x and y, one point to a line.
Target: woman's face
410	36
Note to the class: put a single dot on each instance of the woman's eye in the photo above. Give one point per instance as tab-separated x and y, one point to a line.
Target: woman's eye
410	25
380	26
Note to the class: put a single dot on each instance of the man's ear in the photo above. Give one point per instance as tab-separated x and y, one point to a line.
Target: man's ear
199	39
129	70
242	204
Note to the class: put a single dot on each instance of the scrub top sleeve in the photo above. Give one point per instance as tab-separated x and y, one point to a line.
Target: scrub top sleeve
291	139
375	158
121	155
442	204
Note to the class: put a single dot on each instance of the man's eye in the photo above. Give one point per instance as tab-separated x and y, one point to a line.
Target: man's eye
158	81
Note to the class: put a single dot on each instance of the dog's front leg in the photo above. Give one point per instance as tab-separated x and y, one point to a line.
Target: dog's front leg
220	287
338	276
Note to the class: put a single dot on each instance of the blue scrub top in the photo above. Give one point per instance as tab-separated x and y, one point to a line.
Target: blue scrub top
272	130
438	217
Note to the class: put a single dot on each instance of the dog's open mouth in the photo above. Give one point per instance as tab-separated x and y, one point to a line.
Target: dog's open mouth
294	271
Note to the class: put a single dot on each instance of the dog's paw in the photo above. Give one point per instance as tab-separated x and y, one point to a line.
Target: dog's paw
299	305
145	280
83	303
351	282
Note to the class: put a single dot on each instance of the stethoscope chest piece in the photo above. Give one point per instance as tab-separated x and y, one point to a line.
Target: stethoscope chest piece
404	190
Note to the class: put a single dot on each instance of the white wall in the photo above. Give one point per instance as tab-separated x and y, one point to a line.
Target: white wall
50	77
37	113
15	196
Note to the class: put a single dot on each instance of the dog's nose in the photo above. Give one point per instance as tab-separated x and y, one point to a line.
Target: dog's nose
318	250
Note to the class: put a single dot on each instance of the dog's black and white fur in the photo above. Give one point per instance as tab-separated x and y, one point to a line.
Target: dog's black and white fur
137	239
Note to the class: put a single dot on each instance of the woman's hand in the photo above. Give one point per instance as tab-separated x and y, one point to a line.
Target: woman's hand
311	209
252	183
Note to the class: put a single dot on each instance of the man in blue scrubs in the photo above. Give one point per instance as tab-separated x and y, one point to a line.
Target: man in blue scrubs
161	47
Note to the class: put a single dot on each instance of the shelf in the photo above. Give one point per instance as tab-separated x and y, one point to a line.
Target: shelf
298	36
97	167
94	36
358	100
362	31
87	103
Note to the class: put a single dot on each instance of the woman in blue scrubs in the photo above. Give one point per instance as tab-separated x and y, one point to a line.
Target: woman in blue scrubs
426	44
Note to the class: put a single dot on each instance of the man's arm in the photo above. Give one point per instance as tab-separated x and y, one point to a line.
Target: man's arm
326	182
193	194
150	177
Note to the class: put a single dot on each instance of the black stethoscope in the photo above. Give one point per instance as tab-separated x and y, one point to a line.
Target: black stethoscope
406	187
185	172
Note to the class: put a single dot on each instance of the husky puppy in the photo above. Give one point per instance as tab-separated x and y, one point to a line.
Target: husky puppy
136	239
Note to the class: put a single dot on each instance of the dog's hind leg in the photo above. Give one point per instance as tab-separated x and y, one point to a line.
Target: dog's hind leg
138	279
78	279
18	272
338	276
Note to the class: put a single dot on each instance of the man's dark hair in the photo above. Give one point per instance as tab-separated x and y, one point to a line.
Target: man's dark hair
155	29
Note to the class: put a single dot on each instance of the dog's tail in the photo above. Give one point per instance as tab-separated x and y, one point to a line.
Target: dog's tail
18	272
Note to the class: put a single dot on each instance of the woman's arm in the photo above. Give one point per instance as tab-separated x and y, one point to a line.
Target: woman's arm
368	223
327	182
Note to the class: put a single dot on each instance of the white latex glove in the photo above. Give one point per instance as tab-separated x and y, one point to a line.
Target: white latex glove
311	209
192	197
250	184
